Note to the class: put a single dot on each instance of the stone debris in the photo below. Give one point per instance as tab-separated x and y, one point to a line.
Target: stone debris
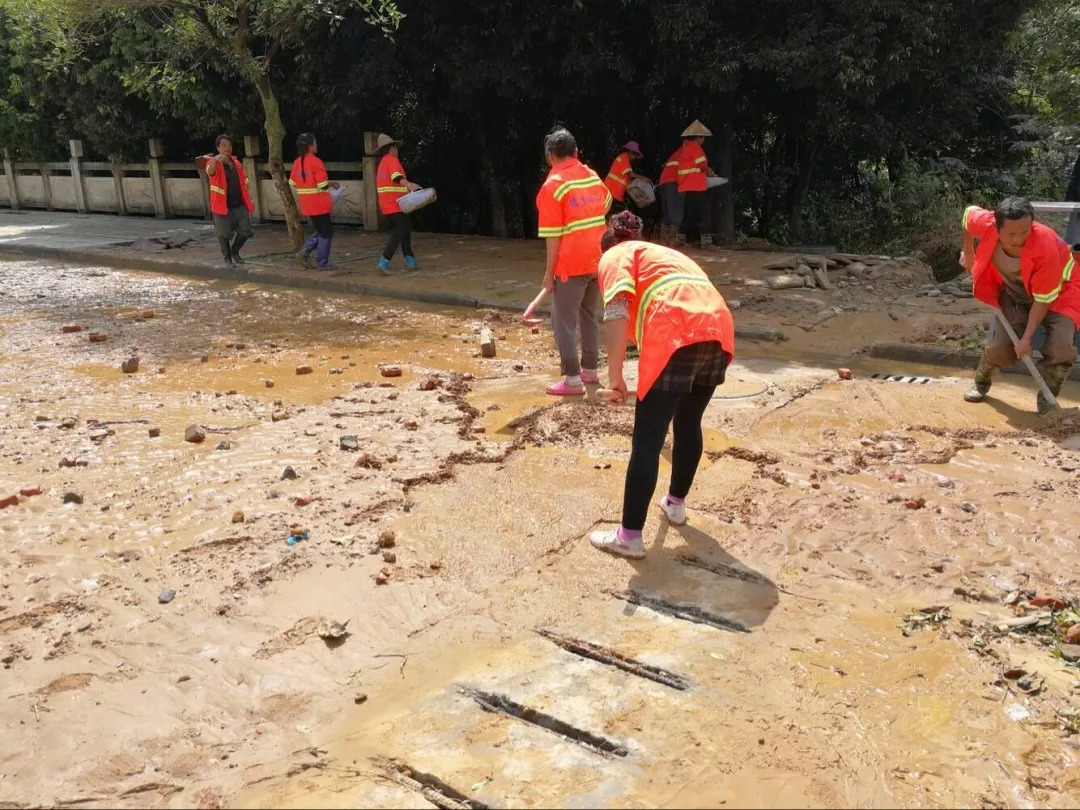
166	596
194	434
73	497
390	371
97	337
154	432
301	370
487	343
71	329
130	366
238	516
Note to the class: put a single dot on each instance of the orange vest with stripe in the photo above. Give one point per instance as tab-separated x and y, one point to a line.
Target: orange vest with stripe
619	176
572	205
312	186
390	184
1046	265
218	204
672	304
670	172
693	168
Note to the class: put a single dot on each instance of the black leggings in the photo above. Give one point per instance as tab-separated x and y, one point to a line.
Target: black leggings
652	417
400	233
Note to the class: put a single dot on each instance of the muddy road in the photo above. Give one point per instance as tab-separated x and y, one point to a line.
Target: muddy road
870	605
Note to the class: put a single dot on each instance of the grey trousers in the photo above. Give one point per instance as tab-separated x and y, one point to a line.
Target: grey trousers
576	305
1060	332
674	203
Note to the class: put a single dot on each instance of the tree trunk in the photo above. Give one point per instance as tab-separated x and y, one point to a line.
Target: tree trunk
275	137
800	187
725	165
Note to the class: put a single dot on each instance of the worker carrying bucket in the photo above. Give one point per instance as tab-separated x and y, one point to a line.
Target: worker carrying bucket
1024	270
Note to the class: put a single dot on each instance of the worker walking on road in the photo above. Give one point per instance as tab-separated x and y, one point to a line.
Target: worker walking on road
391	185
694	174
686	339
1025	269
572	205
230	202
622	172
312	186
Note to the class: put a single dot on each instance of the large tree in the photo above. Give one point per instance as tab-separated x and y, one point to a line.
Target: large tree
171	45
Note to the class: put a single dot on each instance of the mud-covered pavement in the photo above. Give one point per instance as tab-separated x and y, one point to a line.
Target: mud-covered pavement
446	512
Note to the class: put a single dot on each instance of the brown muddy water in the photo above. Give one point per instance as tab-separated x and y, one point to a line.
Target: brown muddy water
825	516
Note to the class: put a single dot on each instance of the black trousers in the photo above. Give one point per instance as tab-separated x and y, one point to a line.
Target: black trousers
400	234
652	417
698	217
323	225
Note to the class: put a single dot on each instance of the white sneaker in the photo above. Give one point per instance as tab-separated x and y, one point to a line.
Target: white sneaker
609	541
676	512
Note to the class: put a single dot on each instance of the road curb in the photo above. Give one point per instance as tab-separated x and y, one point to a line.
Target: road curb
312	281
927	354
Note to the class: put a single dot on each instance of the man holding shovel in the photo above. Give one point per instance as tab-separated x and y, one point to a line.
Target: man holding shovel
1025	269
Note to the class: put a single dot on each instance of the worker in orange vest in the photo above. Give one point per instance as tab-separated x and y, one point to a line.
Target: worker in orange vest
694	174
686	340
670	199
309	180
572	205
391	185
1025	269
230	202
622	172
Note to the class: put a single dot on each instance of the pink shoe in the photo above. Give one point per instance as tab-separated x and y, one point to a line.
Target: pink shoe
590	377
561	389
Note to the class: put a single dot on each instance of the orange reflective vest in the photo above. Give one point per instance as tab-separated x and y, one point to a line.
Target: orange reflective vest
693	168
218	204
390	184
619	176
572	205
670	172
1046	265
312	186
672	304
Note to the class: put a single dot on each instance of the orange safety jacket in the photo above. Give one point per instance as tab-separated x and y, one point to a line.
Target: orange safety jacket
693	168
672	304
1046	265
309	180
390	184
619	176
572	205
218	204
670	172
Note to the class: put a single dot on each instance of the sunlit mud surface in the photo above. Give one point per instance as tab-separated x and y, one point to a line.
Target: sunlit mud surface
865	561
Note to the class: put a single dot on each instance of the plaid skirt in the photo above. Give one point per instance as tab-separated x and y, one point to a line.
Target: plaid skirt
699	365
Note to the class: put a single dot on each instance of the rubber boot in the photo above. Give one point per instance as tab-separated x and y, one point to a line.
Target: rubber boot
984	376
1055	377
324	254
238	243
226	251
410	263
304	254
384	266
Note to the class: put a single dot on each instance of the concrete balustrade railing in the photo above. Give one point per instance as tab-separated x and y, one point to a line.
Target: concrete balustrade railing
170	189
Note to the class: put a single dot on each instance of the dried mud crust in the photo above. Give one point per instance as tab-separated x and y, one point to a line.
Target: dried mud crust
569	424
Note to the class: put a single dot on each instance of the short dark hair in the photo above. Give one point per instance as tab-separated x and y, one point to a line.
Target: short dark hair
1013	208
560	143
220	138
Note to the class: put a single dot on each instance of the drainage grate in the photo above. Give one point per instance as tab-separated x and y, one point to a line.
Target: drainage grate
594	652
901	378
688	613
501	704
430	787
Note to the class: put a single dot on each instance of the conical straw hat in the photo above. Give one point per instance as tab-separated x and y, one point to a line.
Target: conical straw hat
696	130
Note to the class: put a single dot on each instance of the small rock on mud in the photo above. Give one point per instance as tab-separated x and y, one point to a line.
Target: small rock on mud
915	503
1072	635
330	629
98	337
389	557
970	508
166	596
390	371
304	370
194	434
430	384
71	329
154	432
388	539
349	443
29	492
844	373
487	343
289	474
238	516
73	497
359	698
224	445
269	383
1070	652
10	500
68	423
130	366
